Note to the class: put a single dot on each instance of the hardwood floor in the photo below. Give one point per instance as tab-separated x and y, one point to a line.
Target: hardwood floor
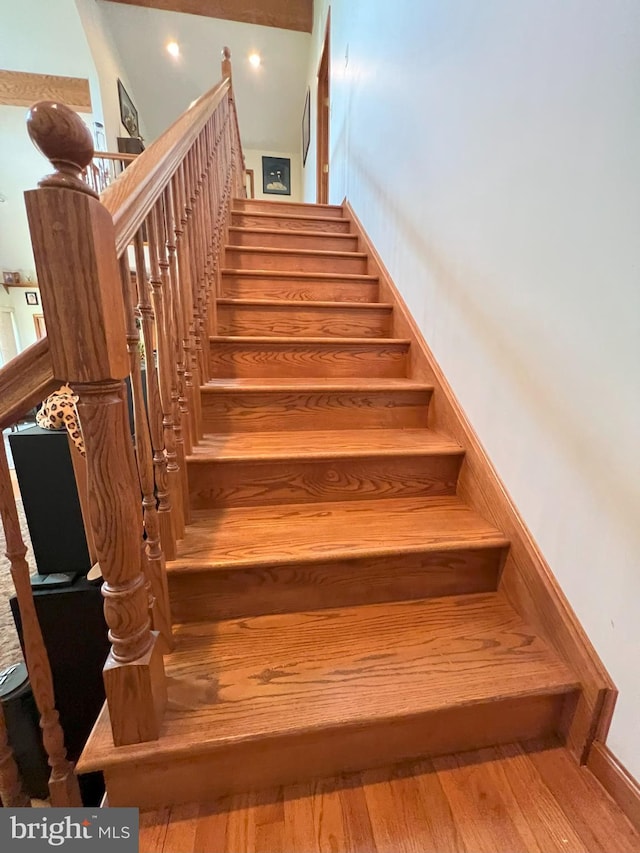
507	799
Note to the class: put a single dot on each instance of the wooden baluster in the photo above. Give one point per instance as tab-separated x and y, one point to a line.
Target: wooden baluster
194	318
184	289
11	791
160	610
74	246
209	194
178	395
63	784
200	254
154	406
159	286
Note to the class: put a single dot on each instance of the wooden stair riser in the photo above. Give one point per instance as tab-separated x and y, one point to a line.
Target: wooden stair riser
314	359
283	239
300	321
328	225
278	761
234	593
234	410
243	286
295	261
250	205
258	482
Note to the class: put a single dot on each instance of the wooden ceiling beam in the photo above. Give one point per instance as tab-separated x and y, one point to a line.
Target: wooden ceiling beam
286	14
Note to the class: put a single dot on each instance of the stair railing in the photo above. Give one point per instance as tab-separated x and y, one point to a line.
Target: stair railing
105	167
128	283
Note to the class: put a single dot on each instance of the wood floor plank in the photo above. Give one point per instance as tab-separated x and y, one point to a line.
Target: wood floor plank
153	829
182	828
482	814
596	818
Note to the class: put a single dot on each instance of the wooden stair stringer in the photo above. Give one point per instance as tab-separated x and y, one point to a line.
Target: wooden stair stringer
527	579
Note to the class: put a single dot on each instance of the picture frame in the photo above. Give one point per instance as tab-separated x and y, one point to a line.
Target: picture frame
11	278
276	176
128	113
306	127
32	297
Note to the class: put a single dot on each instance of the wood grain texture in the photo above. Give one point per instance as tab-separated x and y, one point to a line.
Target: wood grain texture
302	683
616	780
247	284
253	590
292	239
254	469
250	405
415	808
266	13
276	535
527	579
73	241
317	319
22	89
25	381
296	260
290	222
309	357
284	208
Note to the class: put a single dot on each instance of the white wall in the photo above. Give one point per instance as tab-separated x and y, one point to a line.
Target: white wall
253	160
110	68
492	151
22	313
44	38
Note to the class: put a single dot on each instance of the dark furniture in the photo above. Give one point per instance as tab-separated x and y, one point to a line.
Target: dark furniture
50	497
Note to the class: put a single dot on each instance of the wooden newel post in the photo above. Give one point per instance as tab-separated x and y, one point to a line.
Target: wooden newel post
74	247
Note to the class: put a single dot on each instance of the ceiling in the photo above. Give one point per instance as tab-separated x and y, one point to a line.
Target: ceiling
270	99
288	14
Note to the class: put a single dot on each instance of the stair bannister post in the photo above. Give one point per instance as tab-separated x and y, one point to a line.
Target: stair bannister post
73	240
63	784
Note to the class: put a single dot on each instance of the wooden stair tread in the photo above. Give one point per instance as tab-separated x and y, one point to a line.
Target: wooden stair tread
318	383
325	530
241	204
269	214
307	304
322	444
301	274
289	231
279	675
277	250
302	341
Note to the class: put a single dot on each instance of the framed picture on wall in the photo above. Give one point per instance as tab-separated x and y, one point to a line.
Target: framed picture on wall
306	127
32	297
276	176
128	113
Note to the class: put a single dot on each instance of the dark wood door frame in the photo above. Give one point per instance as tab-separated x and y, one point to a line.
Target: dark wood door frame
322	165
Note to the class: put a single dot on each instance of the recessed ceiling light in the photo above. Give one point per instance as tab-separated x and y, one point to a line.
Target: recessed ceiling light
254	59
173	48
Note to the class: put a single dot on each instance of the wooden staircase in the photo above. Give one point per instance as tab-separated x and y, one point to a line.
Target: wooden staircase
335	601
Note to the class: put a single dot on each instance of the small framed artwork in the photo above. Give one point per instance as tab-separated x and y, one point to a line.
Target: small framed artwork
128	113
11	277
306	127
276	176
32	297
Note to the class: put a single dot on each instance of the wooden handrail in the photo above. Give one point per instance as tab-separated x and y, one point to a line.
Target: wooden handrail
115	155
25	381
130	199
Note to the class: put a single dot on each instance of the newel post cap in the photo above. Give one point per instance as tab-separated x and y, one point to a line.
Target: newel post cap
63	138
